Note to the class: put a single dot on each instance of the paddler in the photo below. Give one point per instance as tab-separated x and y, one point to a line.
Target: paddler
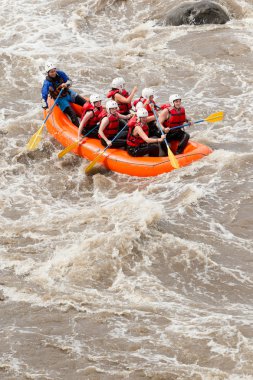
54	82
138	141
174	115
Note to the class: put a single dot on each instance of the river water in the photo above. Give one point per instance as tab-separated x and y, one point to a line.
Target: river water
113	277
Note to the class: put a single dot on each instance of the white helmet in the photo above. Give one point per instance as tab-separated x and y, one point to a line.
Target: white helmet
95	98
147	92
49	66
111	104
118	83
142	112
174	97
139	105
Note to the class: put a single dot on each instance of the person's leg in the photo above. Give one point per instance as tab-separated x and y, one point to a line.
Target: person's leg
182	142
75	98
153	150
79	100
139	151
123	134
164	146
73	117
118	143
91	133
153	130
122	124
64	104
175	135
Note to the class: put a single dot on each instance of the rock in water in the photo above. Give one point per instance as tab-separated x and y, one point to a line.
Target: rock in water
199	13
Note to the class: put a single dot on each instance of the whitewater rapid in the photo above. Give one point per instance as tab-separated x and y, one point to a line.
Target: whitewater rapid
117	277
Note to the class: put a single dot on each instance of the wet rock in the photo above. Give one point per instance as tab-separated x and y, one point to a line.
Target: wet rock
202	12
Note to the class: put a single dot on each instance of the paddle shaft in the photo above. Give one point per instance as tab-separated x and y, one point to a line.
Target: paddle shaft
74	144
174	162
210	119
90	166
159	125
51	109
187	125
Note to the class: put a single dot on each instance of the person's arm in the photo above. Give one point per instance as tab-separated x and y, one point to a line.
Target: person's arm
162	117
120	98
67	80
44	94
147	139
84	121
103	125
125	117
189	120
150	118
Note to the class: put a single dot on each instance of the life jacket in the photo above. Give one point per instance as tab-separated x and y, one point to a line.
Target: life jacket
54	89
176	117
123	107
136	141
132	121
141	99
148	108
113	127
95	118
165	106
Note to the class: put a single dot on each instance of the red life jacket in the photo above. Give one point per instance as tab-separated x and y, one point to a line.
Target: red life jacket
136	141
113	127
94	119
164	106
123	107
148	108
132	121
176	117
141	99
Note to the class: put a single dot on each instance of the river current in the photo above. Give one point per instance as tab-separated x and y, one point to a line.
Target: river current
117	277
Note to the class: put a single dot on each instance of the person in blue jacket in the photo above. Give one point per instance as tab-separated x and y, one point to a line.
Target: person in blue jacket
54	82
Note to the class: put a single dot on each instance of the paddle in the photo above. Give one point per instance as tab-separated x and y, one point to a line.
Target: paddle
73	145
174	162
214	117
36	138
90	166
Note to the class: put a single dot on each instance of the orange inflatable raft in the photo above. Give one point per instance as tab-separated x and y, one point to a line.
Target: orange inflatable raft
118	160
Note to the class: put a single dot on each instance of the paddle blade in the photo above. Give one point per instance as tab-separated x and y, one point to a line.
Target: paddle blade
67	149
92	163
218	116
35	139
174	162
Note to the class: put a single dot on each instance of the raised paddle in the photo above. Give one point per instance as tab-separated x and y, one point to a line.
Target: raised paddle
92	163
214	117
73	145
36	138
174	162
